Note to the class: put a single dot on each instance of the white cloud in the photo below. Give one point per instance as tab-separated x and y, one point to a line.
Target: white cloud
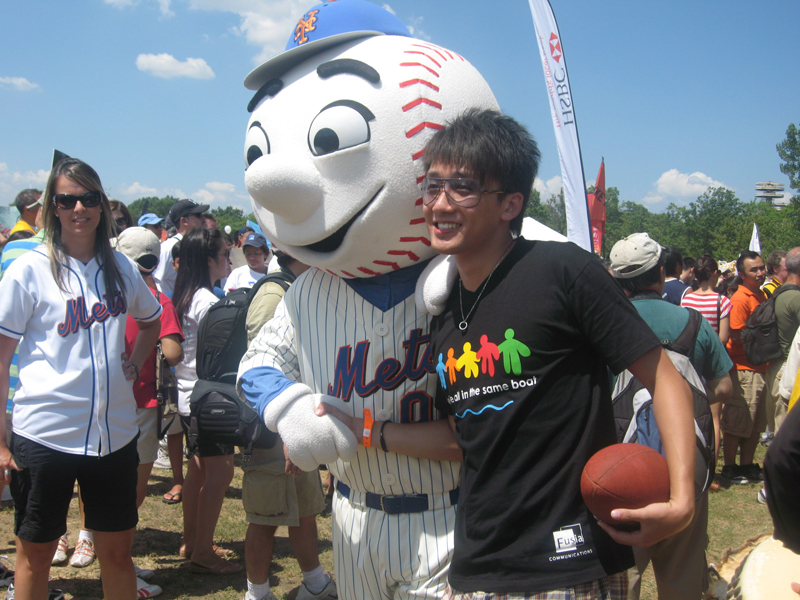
18	83
136	190
164	8
551	187
217	186
680	188
120	3
167	66
217	194
13	182
389	8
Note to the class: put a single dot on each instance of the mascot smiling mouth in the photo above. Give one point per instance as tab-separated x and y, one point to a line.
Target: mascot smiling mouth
333	241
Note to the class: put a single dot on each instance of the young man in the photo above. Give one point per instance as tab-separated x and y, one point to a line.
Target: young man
28	203
522	349
187	216
744	417
679	562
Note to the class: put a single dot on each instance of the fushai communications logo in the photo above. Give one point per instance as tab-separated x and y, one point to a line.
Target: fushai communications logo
568	538
555	47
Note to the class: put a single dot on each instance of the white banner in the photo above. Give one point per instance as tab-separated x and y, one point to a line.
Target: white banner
755	243
563	112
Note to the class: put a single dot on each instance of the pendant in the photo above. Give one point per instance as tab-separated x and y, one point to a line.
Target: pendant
463	326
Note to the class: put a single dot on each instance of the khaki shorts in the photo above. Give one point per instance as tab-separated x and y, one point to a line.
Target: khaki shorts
270	497
147	444
746	411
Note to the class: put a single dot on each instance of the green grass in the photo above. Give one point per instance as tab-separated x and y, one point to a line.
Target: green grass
735	516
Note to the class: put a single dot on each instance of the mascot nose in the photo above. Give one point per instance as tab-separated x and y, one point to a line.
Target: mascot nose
291	191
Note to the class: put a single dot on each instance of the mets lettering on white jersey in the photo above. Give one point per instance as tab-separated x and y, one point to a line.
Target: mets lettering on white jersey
81	331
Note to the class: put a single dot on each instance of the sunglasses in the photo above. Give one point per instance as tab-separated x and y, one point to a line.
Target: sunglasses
68	201
459	191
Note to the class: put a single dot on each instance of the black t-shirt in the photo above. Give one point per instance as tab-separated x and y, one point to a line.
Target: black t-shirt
529	387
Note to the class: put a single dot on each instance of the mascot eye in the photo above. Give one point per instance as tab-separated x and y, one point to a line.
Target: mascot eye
256	144
340	125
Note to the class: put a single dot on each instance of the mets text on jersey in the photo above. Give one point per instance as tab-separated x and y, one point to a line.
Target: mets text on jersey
77	315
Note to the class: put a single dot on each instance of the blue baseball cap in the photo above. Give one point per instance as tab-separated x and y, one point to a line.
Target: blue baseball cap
324	26
255	239
149	219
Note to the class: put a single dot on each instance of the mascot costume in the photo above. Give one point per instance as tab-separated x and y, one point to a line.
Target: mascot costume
339	124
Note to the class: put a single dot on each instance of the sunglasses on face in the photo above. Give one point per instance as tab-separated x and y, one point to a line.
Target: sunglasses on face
459	191
87	200
120	221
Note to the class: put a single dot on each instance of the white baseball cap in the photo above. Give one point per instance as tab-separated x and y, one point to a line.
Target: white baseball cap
141	246
634	255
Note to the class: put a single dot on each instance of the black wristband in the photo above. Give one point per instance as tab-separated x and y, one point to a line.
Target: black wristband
383	439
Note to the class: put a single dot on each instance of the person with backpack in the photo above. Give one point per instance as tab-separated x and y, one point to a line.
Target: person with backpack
679	562
787	315
744	417
204	258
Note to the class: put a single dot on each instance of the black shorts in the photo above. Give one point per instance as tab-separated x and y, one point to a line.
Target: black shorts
206	449
42	489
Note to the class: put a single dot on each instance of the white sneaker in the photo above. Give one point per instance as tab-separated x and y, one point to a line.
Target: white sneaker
145	574
61	550
162	460
52	594
146	590
328	592
269	596
83	555
762	496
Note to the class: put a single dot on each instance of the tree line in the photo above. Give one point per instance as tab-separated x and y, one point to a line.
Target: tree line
226	215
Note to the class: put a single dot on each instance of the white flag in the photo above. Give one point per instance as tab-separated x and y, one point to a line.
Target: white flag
755	244
562	109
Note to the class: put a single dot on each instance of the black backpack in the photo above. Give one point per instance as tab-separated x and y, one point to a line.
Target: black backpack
760	332
217	414
633	406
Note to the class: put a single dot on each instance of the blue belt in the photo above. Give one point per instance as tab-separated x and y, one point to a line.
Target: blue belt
396	505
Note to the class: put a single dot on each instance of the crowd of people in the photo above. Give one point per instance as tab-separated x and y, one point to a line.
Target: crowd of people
86	297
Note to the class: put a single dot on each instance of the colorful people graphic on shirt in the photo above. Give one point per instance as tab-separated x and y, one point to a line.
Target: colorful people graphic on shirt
488	353
440	369
468	362
450	365
512	349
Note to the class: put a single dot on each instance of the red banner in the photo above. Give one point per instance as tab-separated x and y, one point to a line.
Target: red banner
597	209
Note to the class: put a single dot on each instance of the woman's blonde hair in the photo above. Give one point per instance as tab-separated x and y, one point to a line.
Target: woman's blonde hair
85	176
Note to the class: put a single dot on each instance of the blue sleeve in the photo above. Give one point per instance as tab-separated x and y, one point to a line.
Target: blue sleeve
261	384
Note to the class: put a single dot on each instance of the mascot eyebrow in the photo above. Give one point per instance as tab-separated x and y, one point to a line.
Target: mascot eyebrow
326	70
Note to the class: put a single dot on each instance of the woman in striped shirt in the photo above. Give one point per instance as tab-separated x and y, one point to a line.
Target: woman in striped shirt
714	307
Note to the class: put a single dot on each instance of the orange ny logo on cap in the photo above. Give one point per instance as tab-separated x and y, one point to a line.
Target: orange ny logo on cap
304	26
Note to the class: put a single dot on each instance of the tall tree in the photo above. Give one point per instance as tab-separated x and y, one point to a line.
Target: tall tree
151	204
789	151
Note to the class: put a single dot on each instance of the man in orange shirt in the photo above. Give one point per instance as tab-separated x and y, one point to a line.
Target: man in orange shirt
744	416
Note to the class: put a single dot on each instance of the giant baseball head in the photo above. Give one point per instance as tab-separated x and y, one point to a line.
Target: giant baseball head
338	127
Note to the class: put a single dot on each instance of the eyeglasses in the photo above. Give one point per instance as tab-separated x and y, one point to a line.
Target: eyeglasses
461	192
120	221
68	201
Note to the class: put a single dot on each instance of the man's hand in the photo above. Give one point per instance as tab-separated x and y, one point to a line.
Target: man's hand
657	522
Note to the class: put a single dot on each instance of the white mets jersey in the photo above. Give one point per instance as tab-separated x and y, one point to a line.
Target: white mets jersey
73	395
333	340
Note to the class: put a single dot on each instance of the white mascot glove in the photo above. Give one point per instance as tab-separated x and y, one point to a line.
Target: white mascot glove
311	440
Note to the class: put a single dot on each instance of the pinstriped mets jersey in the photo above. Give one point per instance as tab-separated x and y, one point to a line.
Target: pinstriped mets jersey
327	336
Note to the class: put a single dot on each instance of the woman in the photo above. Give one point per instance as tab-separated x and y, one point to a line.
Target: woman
121	214
74	413
257	255
204	258
716	308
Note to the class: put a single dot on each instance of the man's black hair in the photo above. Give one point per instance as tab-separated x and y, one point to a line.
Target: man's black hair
673	261
494	148
746	255
646	280
688	262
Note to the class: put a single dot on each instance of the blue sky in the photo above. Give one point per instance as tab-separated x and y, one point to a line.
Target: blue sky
675	95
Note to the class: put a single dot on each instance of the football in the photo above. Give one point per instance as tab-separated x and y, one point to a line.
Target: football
624	476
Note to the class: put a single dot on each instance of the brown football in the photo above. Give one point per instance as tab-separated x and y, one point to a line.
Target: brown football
624	476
